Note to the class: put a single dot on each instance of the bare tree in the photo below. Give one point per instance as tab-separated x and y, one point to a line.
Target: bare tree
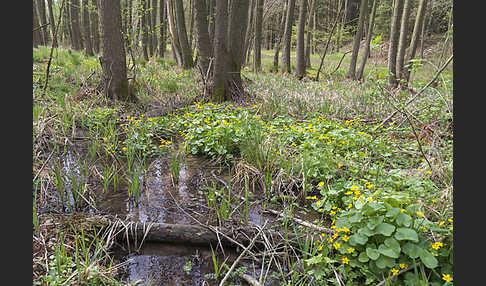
392	50
417	29
366	52
402	41
163	28
279	37
310	33
300	55
202	35
186	51
113	62
51	21
95	32
87	28
36	35
363	8
287	37
257	55
76	30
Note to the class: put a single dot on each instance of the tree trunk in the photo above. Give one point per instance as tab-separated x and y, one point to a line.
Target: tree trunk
95	32
43	21
300	54
417	29
392	50
257	55
308	38
220	88
154	37
363	8
249	26
52	23
280	36
368	40
36	33
402	42
87	30
237	30
163	25
181	31
287	37
76	36
202	36
113	62
211	15
145	28
176	49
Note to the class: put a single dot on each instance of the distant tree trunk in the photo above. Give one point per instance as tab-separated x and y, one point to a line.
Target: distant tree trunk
363	8
417	29
402	42
76	36
300	54
163	28
202	35
257	55
237	30
66	18
113	62
36	33
153	12
280	36
176	49
308	38
249	26
368	41
52	23
392	50
287	37
181	31
43	21
87	30
145	29
211	15
95	32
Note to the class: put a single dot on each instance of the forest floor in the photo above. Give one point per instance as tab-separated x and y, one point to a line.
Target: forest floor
366	201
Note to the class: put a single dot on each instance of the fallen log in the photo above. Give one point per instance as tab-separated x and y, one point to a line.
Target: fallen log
186	233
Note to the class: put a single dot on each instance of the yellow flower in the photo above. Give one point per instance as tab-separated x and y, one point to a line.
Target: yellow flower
437	245
353	187
336	245
348	193
370	186
350	250
335	235
320	184
320	247
402	265
311	198
357	192
403	210
450	220
124	148
318	203
105	139
340	165
420	214
332	213
350	206
345	260
441	223
345	238
394	271
446	277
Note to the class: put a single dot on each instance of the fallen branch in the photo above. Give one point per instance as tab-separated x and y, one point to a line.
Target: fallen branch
250	280
302	222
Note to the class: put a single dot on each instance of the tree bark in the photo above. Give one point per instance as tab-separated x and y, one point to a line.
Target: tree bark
176	49
52	23
300	54
220	88
163	28
153	25
87	28
237	31
287	37
36	33
202	36
186	51
417	29
402	42
368	41
257	54
95	32
76	35
249	34
309	35
145	29
43	21
113	62
357	39
280	36
392	50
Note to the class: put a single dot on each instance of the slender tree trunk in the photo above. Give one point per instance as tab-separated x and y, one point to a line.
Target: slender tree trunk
237	30
309	35
52	22
76	36
257	55
417	29
202	36
280	36
220	88
36	33
113	62
95	32
212	15
145	29
163	28
181	31
392	50
43	21
402	42
87	28
300	54
153	12
368	41
176	49
66	18
249	26
287	37
357	38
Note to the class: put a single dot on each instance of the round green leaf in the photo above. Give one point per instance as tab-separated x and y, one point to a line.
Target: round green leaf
412	250
363	257
406	234
403	219
393	244
428	259
387	251
393	212
384	261
385	228
374	221
357	238
372	253
366	231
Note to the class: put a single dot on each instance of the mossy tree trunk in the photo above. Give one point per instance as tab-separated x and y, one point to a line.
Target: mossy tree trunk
300	55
